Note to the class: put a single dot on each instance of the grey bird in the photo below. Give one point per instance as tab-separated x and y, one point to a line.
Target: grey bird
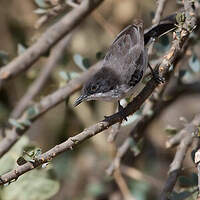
122	70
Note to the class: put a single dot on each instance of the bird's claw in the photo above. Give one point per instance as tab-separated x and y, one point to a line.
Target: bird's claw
158	78
107	118
123	116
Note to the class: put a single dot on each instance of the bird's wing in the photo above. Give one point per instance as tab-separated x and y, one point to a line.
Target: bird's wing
127	53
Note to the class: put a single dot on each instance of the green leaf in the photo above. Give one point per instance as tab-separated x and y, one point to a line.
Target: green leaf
78	59
63	75
32	156
16	124
171	68
32	112
21	161
41	4
134	148
37	152
194	63
73	75
40	11
26	122
68	75
20	49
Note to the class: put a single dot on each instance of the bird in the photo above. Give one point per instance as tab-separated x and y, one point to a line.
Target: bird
123	68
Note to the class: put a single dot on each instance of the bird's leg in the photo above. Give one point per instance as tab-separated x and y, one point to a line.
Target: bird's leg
155	75
121	111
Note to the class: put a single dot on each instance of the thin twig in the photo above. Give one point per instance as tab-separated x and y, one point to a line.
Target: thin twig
175	140
106	25
123	186
120	152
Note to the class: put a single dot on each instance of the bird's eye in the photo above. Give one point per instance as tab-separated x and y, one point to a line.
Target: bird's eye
94	88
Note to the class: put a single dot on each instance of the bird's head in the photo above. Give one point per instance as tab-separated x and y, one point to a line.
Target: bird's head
102	85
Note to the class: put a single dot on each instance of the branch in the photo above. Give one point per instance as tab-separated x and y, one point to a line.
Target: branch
37	85
176	165
60	95
48	39
120	152
159	11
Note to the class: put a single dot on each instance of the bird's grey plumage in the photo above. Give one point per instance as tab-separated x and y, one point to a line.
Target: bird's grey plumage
123	67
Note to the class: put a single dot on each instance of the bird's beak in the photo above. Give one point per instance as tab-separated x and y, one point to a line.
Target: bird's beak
80	100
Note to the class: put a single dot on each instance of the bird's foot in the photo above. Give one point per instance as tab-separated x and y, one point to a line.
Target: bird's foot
121	111
156	76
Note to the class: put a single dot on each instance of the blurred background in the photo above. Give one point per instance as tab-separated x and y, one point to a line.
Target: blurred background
81	173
